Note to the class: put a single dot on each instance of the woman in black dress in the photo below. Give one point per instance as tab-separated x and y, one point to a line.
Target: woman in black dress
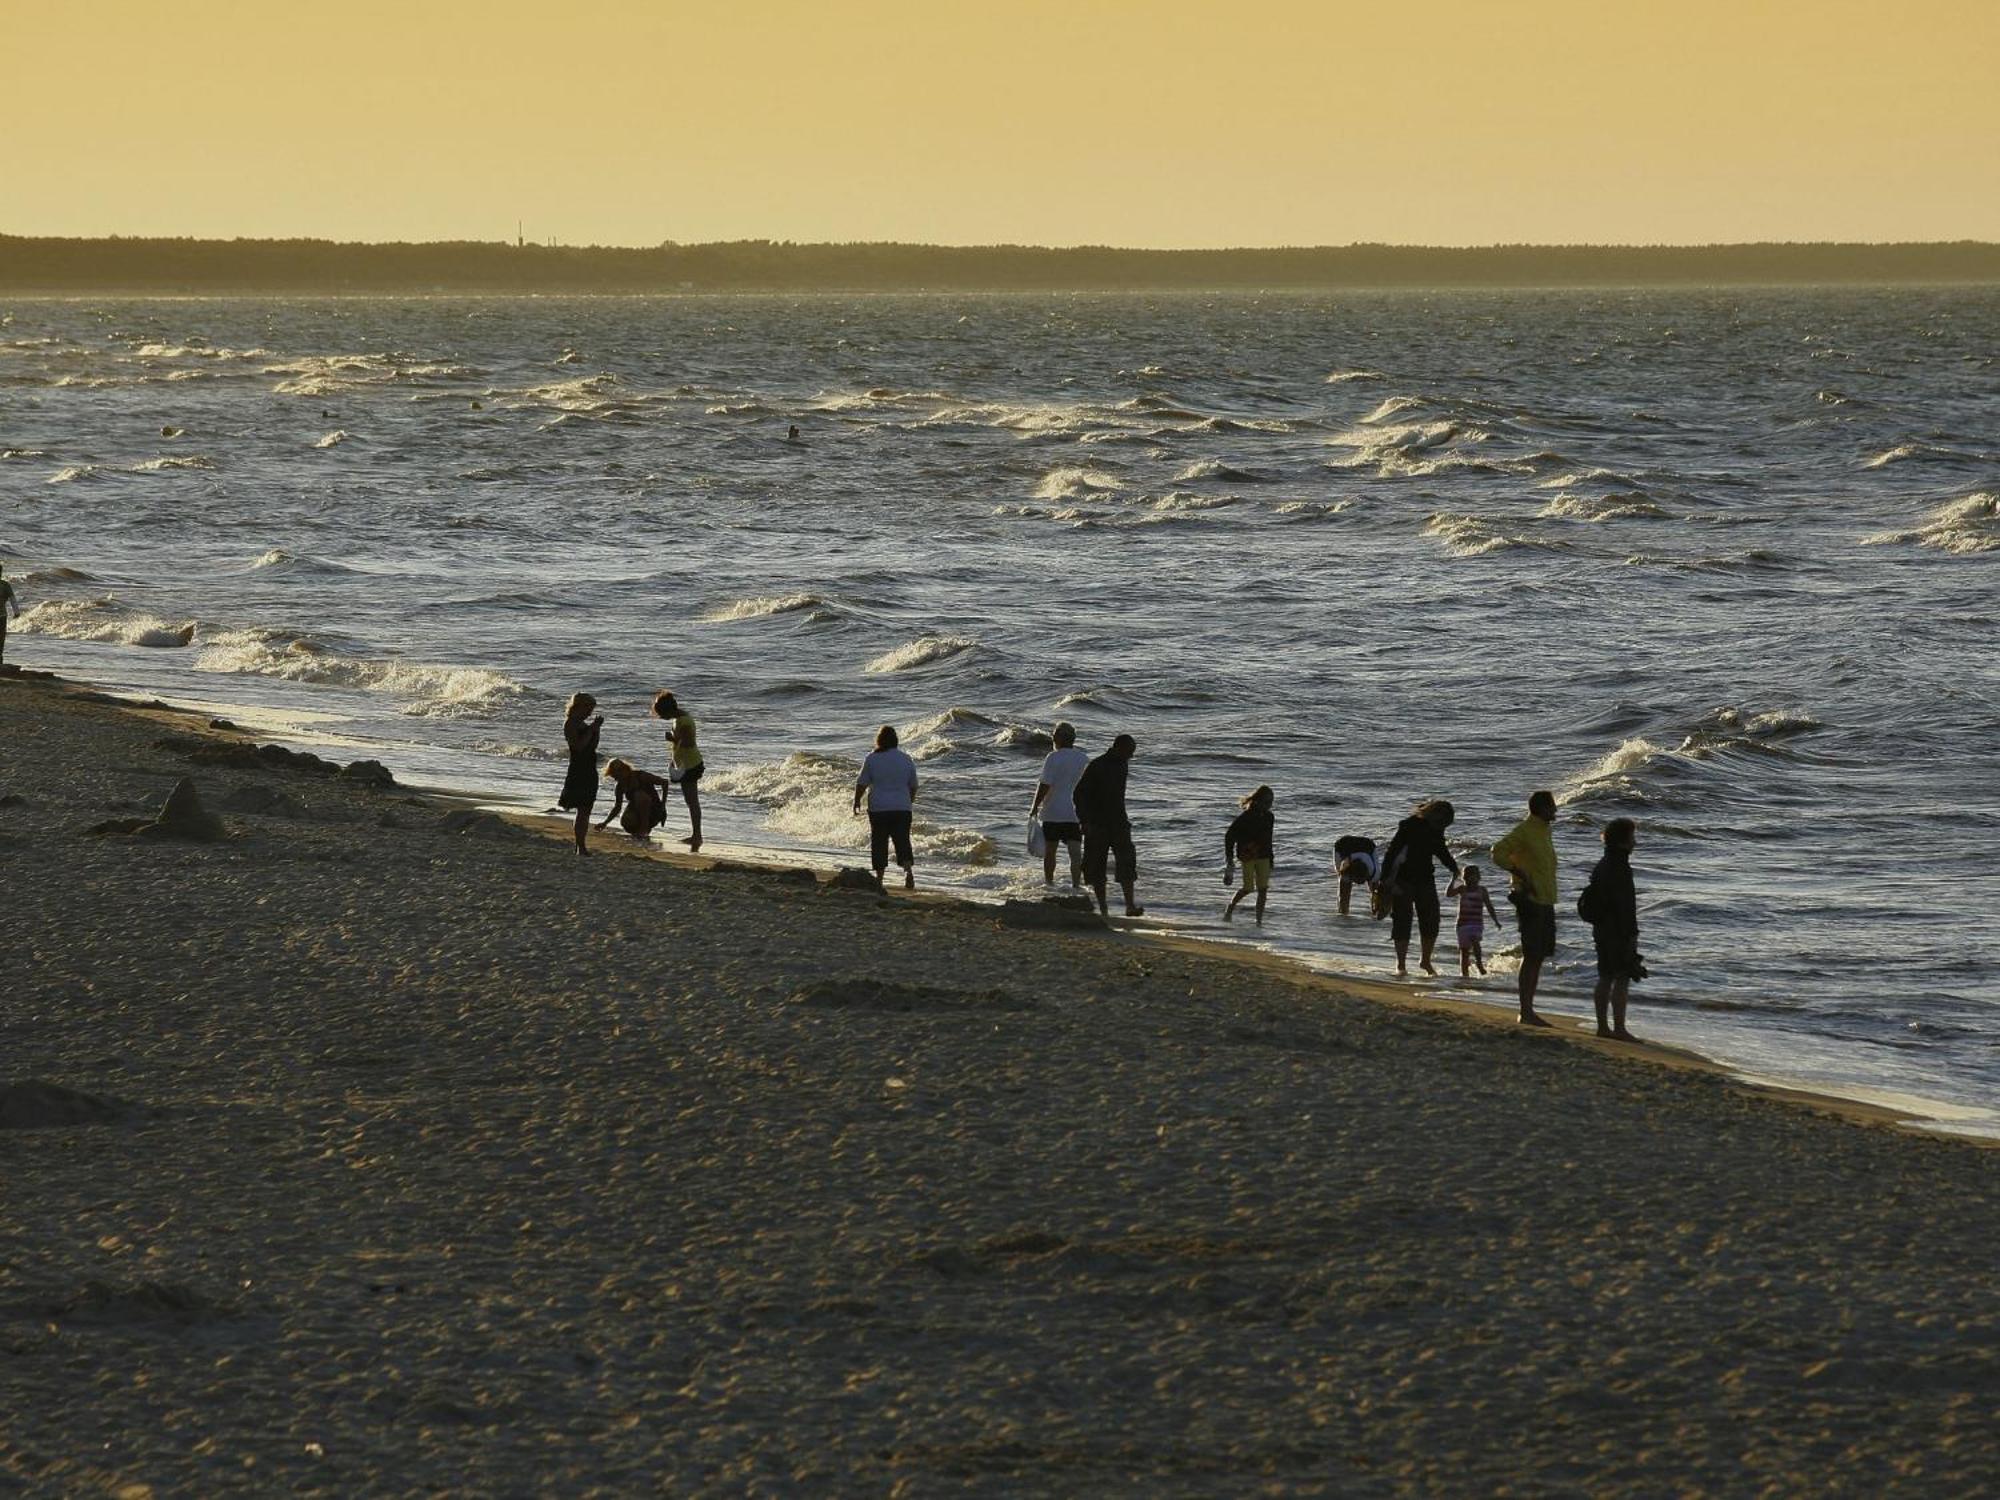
579	793
1410	876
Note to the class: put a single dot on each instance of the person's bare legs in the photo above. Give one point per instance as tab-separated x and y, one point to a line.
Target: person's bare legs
1076	866
582	830
1464	960
1611	995
692	796
1048	861
1478	958
1424	963
1261	894
1229	911
1346	889
1531	975
1132	906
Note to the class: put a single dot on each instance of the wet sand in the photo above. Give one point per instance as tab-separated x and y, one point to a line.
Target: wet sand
366	1151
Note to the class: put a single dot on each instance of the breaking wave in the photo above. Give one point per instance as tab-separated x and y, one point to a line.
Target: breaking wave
810	797
103	620
432	691
924	651
1962	526
756	608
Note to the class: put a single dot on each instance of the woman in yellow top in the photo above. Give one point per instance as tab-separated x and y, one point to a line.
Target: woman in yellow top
687	760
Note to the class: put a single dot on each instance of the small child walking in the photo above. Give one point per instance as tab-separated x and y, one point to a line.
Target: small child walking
1474	903
1249	839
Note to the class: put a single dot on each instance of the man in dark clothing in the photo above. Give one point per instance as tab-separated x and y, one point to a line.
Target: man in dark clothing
1409	871
1107	832
1612	905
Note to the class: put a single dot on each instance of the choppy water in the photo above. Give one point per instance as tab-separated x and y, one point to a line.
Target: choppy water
1724	561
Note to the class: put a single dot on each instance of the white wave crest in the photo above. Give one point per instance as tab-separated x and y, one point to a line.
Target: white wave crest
1347	377
765	604
810	798
1963	526
332	439
921	652
103	620
432	691
1612	507
1073	483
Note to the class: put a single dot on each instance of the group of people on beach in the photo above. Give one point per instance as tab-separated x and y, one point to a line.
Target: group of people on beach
1079	807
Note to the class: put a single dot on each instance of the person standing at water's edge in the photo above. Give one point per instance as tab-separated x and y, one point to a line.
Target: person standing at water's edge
1610	903
7	607
579	793
1055	804
1107	831
1529	852
1409	871
687	761
889	780
1252	838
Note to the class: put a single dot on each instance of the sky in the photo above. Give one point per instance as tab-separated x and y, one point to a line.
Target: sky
1131	122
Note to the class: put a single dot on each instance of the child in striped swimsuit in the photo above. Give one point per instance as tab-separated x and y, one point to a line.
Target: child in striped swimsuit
1474	902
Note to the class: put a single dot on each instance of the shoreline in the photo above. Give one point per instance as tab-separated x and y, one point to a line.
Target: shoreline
1909	1112
374	1142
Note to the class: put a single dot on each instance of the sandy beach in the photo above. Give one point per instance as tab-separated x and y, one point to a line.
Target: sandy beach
379	1145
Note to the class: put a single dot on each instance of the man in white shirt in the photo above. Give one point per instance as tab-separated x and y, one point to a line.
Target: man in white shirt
889	779
1055	805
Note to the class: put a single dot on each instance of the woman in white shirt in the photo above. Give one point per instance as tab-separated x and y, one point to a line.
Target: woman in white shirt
889	778
1055	805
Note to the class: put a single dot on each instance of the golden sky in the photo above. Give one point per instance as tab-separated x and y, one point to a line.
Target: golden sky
1174	122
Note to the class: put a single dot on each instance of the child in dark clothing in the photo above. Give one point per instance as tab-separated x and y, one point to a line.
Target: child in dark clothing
1249	839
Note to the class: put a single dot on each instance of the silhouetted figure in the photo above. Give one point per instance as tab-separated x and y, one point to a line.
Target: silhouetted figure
687	761
579	793
889	780
1252	838
1355	862
1475	903
639	798
793	435
1055	804
9	606
1529	852
1107	831
1409	873
1610	903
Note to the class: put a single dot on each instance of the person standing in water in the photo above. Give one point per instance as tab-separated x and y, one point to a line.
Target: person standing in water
889	780
1409	871
1528	851
8	606
1251	838
1355	863
579	793
1475	903
1055	804
1107	831
1611	905
687	761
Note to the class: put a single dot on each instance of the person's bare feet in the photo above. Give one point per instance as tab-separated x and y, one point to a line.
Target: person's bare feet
1229	914
1135	911
1606	1033
909	880
1621	1034
1529	1018
1428	967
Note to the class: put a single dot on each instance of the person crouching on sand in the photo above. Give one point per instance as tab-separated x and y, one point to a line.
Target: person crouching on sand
889	780
1474	903
1610	904
1251	838
639	799
579	793
687	761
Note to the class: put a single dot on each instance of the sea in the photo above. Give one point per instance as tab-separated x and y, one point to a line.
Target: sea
1724	561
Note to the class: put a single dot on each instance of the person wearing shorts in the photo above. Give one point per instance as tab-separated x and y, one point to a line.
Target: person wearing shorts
1409	871
1528	850
1055	804
1107	831
1252	838
687	762
889	780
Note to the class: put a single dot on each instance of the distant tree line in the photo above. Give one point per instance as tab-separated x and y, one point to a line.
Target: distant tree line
327	266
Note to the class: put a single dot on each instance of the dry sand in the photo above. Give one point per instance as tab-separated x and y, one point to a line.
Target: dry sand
352	1153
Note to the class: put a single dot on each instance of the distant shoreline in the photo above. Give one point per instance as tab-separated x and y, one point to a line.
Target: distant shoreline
194	267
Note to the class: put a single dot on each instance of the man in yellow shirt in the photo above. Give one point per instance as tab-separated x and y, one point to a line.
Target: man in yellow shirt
1528	853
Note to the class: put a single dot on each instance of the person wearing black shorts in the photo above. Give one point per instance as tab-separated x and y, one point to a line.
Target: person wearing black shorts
1055	804
1409	870
1107	831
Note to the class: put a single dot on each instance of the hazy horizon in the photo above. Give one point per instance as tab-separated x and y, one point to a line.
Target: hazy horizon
1178	125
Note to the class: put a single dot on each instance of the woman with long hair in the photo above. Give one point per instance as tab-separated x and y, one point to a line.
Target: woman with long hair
579	793
1409	871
